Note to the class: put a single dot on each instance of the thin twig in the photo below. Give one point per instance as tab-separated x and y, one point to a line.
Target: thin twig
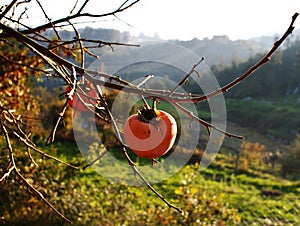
6	175
75	5
61	114
184	80
137	172
81	47
48	18
11	5
203	122
97	159
82	7
18	132
100	43
43	153
30	157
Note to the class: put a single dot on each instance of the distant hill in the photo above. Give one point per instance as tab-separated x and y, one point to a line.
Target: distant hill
219	50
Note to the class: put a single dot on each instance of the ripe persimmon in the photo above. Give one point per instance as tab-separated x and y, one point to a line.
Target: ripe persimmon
150	133
77	104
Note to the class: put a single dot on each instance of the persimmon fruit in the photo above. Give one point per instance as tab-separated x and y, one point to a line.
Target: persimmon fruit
77	104
150	133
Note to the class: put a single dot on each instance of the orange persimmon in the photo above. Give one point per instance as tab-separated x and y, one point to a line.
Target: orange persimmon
150	133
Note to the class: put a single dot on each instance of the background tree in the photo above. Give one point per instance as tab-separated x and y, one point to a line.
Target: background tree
290	160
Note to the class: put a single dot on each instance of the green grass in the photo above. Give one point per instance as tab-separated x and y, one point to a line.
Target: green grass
277	119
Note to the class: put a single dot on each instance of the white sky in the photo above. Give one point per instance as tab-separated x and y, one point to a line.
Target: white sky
186	19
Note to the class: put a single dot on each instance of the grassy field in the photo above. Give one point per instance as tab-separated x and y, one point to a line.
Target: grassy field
214	196
278	120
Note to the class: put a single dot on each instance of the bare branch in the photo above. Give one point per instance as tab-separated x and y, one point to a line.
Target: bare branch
82	7
131	163
11	5
80	44
69	71
48	18
75	5
107	149
203	122
137	172
100	43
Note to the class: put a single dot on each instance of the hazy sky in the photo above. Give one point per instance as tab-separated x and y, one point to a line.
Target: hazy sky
198	18
186	19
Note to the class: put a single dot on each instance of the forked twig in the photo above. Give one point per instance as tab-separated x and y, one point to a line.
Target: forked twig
8	8
79	14
19	133
185	78
6	175
43	153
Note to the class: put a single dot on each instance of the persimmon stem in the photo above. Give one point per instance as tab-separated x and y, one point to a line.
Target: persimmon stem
147	77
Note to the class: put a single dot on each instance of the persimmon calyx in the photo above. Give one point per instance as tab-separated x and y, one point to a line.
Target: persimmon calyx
149	116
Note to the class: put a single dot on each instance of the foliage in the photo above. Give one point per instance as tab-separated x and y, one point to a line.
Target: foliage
250	155
17	80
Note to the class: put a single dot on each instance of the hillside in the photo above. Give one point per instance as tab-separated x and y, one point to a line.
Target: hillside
278	80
